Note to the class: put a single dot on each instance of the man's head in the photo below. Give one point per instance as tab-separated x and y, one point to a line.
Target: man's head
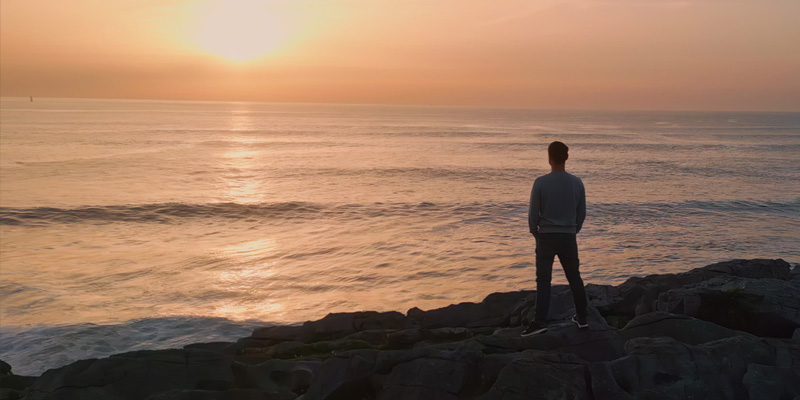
558	153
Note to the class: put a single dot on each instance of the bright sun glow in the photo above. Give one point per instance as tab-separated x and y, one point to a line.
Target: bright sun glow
239	30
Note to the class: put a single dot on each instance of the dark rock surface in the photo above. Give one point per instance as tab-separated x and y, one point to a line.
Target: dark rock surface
729	330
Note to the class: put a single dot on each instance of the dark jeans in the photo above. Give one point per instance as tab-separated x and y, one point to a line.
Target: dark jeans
563	245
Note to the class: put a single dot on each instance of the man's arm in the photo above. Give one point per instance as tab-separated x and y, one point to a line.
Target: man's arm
581	211
533	210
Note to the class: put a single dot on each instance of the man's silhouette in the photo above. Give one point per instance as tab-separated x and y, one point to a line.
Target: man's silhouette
556	214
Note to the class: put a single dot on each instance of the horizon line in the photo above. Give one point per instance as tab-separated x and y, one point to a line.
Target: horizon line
407	105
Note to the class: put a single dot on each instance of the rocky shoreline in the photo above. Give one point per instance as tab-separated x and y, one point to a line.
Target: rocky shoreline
729	330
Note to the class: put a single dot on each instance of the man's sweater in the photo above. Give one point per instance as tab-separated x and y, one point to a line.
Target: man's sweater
558	204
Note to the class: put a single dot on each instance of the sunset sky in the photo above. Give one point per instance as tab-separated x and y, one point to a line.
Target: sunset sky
587	54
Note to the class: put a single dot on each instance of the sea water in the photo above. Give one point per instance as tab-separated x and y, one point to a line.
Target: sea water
132	225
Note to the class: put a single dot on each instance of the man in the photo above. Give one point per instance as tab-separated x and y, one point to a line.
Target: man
556	214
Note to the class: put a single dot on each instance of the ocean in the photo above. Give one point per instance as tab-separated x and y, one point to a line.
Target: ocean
130	225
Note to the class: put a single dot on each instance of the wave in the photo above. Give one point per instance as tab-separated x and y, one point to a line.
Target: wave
32	349
476	211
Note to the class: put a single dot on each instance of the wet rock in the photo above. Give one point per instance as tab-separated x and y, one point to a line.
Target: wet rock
679	327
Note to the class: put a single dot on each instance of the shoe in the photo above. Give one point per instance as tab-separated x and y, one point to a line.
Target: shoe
534	328
580	321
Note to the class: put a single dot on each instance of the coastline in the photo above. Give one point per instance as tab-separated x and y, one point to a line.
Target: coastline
726	330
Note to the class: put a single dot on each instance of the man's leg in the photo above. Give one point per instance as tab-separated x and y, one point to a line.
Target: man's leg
545	253
568	256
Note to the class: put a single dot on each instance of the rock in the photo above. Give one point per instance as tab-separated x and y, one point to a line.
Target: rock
769	382
280	350
371	336
16	382
604	384
763	307
333	326
300	333
283	378
456	315
794	275
638	295
338	325
598	342
239	394
10	394
414	393
755	269
403	339
134	375
679	327
541	375
497	309
360	373
662	367
562	306
418	337
12	386
508	305
5	368
345	376
436	376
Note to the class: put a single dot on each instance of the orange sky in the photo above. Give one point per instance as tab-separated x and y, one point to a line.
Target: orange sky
590	54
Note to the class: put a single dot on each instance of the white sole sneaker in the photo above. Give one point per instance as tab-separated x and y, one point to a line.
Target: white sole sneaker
575	320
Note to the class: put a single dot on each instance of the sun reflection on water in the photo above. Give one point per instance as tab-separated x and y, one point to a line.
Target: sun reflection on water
253	271
241	163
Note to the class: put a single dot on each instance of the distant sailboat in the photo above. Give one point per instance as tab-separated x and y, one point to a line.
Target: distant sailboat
31	99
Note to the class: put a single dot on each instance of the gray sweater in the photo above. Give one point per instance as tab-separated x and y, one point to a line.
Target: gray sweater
558	204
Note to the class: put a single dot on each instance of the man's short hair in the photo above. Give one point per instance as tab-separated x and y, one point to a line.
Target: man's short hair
558	152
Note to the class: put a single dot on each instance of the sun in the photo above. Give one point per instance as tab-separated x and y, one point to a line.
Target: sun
239	30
